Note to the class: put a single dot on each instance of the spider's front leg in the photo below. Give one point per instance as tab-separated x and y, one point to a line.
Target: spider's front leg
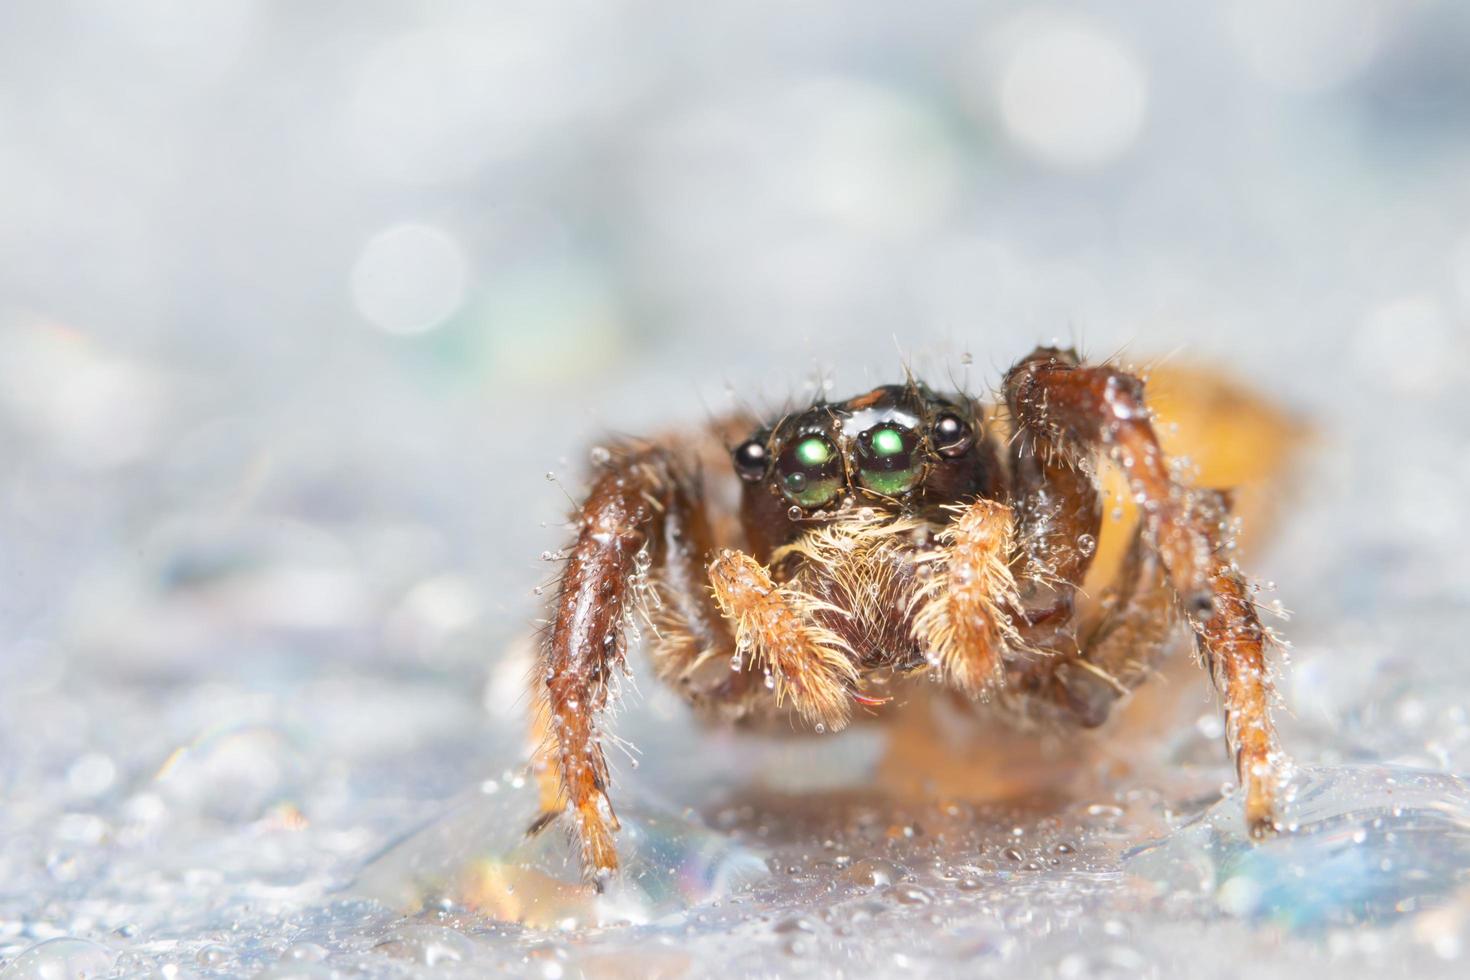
1084	411
634	502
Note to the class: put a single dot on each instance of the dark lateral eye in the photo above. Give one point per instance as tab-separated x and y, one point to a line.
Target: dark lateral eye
810	471
750	460
888	459
953	436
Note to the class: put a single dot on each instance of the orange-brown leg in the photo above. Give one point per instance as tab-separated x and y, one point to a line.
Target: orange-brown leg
1087	411
625	516
1058	517
1121	651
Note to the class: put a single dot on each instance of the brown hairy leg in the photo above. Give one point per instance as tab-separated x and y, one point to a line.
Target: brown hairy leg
1087	411
1057	506
1120	652
1059	521
639	501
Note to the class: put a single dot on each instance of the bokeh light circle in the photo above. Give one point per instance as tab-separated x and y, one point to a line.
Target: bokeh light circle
409	279
1072	96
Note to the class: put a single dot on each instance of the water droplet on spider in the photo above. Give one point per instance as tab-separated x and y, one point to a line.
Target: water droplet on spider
819	728
770	681
736	661
793	513
1086	544
550	477
600	455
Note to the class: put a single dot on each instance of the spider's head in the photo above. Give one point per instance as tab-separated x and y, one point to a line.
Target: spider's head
885	448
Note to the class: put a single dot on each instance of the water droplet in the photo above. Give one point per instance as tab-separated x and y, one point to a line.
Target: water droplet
75	959
910	895
211	955
871	873
793	513
1086	544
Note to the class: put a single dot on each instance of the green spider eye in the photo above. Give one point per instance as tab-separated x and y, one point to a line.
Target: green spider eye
810	472
889	461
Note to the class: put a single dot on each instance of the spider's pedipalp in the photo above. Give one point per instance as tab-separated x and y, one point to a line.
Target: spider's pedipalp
963	613
808	663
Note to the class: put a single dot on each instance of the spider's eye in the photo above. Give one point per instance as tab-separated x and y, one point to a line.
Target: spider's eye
952	435
888	459
750	460
810	472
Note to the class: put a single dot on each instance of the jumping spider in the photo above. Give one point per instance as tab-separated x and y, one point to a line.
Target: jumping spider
899	532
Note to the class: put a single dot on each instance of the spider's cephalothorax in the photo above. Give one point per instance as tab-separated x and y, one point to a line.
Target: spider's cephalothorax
899	532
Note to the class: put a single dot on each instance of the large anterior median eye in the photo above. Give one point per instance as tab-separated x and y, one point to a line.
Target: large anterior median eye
810	471
889	461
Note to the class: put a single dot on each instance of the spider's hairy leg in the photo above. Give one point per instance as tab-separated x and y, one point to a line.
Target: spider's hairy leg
1057	506
960	617
1097	410
1122	650
620	519
808	662
1233	643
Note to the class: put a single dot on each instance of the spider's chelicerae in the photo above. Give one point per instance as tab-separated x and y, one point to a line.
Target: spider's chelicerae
900	532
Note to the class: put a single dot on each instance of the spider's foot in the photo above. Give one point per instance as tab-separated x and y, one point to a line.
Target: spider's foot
545	819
